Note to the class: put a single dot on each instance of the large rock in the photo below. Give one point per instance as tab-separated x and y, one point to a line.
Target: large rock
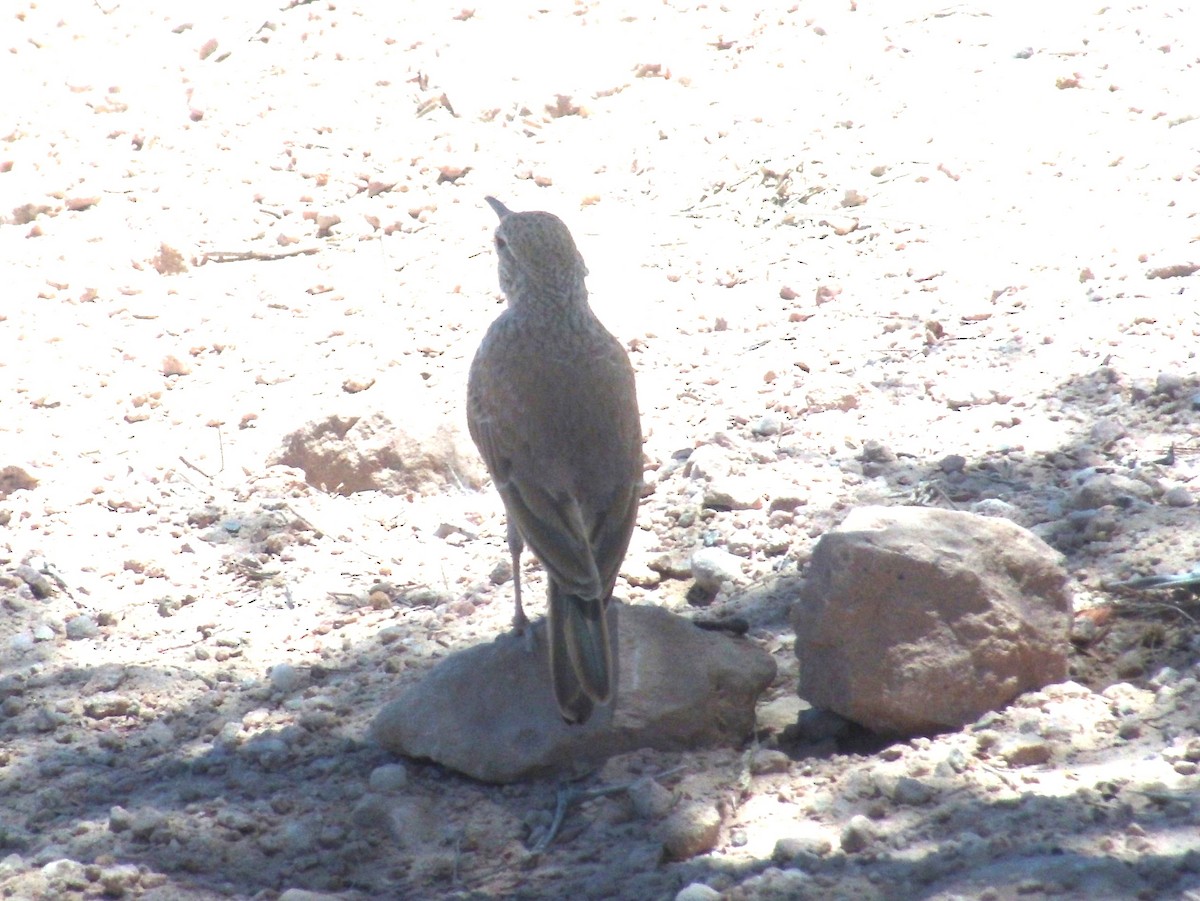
343	454
915	621
489	711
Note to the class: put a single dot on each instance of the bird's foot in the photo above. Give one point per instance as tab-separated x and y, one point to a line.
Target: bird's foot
522	626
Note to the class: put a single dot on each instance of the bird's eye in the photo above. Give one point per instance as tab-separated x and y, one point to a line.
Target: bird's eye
500	243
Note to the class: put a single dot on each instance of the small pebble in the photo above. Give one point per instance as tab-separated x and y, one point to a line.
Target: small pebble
770	424
814	844
952	463
1179	496
1025	751
285	677
21	642
768	760
912	792
1168	383
651	801
1130	728
692	829
119	820
82	627
712	566
12	863
390	777
857	834
118	880
697	891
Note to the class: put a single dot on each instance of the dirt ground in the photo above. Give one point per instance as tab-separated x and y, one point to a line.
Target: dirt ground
900	253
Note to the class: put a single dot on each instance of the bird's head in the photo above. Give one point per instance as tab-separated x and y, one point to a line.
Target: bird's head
537	256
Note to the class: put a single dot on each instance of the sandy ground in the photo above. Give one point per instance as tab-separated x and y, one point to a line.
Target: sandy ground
951	230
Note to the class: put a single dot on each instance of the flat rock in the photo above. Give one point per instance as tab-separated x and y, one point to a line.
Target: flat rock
915	621
489	711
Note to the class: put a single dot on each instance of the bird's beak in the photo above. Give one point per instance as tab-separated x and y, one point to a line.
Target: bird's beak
501	209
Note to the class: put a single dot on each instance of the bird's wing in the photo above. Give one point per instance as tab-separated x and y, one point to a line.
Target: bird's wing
610	537
554	528
551	524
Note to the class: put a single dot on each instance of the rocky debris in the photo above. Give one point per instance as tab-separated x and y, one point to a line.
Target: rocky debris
488	711
14	478
919	620
346	454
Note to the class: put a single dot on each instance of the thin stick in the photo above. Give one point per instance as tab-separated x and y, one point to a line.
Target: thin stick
240	256
567	795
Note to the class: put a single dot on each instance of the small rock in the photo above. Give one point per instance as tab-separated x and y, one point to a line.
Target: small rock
1165	676
1025	751
993	506
285	677
767	760
105	706
742	542
672	565
390	777
712	566
502	572
709	461
1084	630
37	581
952	463
733	492
911	792
146	822
118	880
119	820
651	800
770	424
14	478
1106	432
372	814
876	452
692	829
640	574
65	874
21	642
1110	489
1130	728
12	863
1179	496
697	891
300	894
857	834
813	844
82	627
1168	383
1131	664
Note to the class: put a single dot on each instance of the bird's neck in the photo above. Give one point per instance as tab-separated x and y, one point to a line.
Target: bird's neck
559	300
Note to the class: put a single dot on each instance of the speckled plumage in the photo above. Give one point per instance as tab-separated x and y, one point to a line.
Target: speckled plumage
553	410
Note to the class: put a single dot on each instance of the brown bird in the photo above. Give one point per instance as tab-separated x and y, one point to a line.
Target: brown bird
552	407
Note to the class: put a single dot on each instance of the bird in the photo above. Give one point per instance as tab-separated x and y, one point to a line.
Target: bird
552	406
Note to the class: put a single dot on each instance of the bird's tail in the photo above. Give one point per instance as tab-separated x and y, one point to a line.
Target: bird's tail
581	658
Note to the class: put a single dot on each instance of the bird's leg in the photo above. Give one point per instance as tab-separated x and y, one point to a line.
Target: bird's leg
515	546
